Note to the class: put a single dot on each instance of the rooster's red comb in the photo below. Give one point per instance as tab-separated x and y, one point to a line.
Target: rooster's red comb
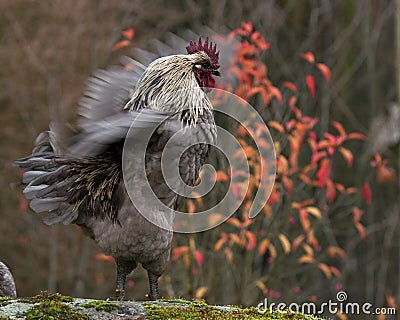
207	47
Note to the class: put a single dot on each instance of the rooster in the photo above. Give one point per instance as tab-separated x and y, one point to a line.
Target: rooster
78	178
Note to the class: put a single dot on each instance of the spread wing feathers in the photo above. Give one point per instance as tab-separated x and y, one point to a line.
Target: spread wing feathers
76	172
69	186
107	91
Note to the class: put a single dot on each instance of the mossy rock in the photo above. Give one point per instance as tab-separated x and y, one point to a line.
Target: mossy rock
47	306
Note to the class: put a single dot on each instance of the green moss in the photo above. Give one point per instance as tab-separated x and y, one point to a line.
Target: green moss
177	300
53	310
200	310
101	305
45	296
51	307
5	301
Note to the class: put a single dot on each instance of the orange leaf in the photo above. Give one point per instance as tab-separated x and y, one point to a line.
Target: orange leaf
228	254
200	292
314	211
221	176
199	257
347	155
305	222
215	218
290	85
235	222
297	241
272	251
103	257
179	251
356	135
325	269
276	125
262	287
324	172
311	85
366	193
361	230
121	44
285	243
336	251
385	174
306	259
309	56
326	72
224	238
391	301
308	249
191	207
263	246
128	33
335	271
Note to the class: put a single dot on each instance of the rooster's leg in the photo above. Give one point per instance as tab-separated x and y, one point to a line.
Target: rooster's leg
153	282
124	267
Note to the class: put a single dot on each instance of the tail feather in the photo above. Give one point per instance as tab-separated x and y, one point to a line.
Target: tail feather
46	204
45	182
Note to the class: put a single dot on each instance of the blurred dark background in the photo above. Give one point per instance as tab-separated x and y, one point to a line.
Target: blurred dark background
48	49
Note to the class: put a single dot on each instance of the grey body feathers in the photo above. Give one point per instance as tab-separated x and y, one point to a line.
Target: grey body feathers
76	177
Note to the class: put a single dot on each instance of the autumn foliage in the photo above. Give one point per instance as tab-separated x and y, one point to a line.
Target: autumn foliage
296	241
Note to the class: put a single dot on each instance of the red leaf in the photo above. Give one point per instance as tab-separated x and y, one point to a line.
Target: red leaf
128	33
366	193
259	41
357	214
338	126
317	156
252	240
274	91
330	191
309	56
248	26
324	172
311	85
326	72
199	257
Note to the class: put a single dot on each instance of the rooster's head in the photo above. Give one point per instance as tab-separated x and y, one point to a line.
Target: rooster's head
207	67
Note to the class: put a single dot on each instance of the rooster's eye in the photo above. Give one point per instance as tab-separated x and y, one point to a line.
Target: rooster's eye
198	66
206	65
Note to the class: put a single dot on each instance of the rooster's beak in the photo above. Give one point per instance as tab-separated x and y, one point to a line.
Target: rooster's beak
216	73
